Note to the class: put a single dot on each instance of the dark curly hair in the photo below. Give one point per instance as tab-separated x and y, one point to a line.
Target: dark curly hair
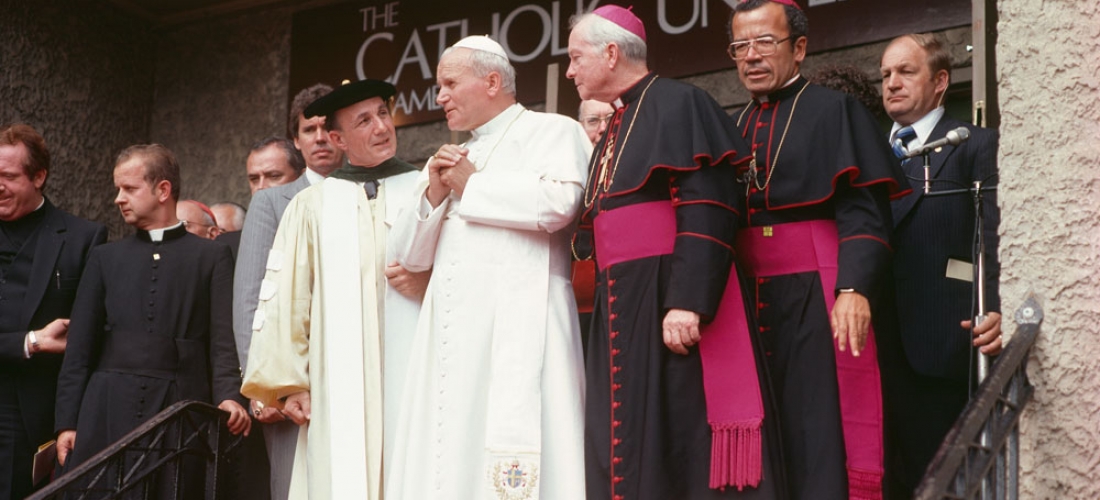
852	81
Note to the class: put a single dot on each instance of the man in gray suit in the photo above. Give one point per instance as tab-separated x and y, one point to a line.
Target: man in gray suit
264	213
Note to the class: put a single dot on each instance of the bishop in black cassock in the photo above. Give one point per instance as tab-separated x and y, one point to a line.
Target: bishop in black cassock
829	194
664	418
815	239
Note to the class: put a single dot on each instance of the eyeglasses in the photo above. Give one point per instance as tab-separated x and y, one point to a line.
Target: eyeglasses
765	46
189	223
594	121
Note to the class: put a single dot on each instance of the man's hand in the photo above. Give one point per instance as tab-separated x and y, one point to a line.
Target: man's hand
297	407
445	158
65	442
53	337
266	414
681	330
456	176
850	320
411	285
239	420
987	335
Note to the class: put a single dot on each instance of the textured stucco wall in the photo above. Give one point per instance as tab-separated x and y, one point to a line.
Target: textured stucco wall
221	85
1049	84
81	74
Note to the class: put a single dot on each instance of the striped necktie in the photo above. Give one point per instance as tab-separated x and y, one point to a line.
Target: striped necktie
901	140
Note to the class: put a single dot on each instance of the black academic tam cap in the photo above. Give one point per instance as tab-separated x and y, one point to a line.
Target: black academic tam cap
348	94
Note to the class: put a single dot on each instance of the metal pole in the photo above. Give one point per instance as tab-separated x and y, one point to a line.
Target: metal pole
927	172
979	274
979	317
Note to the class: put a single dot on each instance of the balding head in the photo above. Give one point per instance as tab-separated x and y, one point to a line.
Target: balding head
229	215
197	218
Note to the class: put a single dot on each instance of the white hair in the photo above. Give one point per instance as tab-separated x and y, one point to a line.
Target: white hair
482	63
600	33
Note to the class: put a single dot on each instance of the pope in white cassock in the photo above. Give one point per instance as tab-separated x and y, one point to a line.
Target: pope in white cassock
325	303
492	403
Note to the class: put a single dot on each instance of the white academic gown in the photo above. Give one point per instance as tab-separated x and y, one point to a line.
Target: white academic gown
319	327
492	405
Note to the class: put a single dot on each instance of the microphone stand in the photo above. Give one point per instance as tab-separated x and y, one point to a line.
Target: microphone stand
979	275
976	190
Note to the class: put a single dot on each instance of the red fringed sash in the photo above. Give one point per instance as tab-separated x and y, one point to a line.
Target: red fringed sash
812	246
735	409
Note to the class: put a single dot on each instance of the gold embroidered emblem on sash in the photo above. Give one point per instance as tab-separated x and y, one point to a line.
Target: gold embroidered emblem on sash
515	479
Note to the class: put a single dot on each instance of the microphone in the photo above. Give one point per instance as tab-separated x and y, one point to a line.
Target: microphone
953	138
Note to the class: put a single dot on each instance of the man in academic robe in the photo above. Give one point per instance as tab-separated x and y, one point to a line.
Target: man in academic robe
927	370
43	251
815	239
492	400
317	352
677	405
151	321
321	158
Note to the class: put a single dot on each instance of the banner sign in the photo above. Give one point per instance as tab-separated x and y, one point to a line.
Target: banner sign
401	40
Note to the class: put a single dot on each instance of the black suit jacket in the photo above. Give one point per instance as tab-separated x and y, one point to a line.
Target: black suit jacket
64	242
231	239
928	231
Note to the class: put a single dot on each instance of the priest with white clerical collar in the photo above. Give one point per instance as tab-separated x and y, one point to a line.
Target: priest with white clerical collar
151	324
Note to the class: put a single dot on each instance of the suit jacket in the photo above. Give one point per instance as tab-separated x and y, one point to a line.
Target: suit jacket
64	242
930	230
260	223
231	239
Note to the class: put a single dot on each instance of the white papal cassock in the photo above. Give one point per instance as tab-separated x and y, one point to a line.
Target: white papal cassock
492	405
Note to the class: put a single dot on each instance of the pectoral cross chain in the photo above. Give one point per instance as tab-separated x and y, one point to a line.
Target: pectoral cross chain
605	160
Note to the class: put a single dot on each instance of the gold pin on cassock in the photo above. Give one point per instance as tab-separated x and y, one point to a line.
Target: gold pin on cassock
768	231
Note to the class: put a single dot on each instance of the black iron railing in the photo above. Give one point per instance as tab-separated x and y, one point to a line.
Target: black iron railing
980	457
178	453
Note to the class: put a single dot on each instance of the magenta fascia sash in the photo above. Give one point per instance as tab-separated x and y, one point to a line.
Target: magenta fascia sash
735	408
800	247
